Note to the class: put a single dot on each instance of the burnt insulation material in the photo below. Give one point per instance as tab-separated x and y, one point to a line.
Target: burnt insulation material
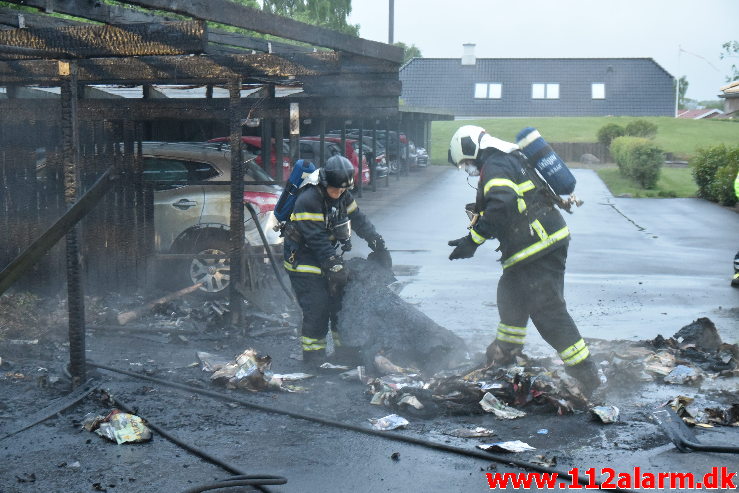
377	321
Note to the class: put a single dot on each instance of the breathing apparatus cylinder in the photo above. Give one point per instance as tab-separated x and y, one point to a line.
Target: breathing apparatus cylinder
552	168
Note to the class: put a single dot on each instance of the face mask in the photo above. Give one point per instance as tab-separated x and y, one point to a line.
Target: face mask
472	169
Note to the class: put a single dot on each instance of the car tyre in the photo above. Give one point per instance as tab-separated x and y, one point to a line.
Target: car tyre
214	273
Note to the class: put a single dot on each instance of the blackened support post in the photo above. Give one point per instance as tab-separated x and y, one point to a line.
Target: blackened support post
322	142
360	150
279	152
75	292
237	202
373	169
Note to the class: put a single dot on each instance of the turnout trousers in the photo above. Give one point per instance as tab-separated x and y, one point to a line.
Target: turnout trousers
319	308
535	291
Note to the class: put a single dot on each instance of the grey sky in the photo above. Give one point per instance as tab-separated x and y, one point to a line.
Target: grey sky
569	29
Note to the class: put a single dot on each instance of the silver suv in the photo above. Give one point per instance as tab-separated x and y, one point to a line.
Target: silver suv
195	218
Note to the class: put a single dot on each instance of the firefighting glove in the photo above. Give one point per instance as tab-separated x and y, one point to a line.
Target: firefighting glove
379	254
336	275
465	248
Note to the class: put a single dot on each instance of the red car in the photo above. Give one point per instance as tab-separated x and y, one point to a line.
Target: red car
253	145
351	153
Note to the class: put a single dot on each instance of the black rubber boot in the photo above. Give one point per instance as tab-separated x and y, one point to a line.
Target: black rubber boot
503	353
586	373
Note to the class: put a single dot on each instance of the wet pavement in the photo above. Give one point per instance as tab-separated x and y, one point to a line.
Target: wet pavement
637	268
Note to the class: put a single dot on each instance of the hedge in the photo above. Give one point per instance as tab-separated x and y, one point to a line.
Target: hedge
610	131
639	159
714	170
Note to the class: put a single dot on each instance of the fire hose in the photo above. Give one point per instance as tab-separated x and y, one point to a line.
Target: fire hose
272	260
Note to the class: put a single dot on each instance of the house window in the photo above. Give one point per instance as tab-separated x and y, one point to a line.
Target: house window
484	90
481	91
598	90
544	91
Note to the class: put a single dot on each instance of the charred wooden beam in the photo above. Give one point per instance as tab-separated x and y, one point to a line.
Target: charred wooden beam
358	86
171	38
233	14
15	110
219	40
172	69
229	13
15	19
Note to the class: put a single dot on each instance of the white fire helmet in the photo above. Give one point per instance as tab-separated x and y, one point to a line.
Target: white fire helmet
469	140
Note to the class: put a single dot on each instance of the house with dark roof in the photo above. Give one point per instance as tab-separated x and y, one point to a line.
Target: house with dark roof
510	87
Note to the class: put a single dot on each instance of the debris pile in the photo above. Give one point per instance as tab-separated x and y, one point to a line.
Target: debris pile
249	371
707	417
504	392
692	355
375	320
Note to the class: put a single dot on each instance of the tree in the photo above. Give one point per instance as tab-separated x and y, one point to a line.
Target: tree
409	52
683	88
330	14
730	49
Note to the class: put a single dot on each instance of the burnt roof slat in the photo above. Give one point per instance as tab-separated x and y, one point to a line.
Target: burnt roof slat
116	14
161	69
85	41
225	12
11	18
260	67
252	19
20	110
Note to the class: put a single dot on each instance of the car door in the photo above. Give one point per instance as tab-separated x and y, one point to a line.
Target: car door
177	207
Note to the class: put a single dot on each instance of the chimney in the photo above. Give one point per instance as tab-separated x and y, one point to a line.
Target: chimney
468	55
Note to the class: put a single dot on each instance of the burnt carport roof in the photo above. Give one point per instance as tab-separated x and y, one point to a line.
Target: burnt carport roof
337	75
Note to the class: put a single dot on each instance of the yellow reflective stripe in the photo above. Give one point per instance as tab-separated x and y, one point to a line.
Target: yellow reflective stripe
509	333
500	182
336	338
352	207
477	237
310	269
511	339
536	226
575	354
511	329
307	216
536	247
526	186
736	275
519	189
310	344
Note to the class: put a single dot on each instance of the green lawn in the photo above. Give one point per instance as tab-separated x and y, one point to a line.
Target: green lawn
673	182
677	136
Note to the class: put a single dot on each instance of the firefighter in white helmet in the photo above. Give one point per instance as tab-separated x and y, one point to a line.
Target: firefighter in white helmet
533	237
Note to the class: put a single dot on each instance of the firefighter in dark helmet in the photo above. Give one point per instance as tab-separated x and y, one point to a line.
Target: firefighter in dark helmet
320	223
511	205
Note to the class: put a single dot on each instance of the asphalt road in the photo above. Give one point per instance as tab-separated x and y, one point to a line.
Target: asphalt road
637	268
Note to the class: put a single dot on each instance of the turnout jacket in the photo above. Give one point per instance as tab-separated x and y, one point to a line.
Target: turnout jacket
312	218
515	211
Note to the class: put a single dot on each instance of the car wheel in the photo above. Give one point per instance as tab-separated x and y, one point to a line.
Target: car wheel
214	273
394	166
